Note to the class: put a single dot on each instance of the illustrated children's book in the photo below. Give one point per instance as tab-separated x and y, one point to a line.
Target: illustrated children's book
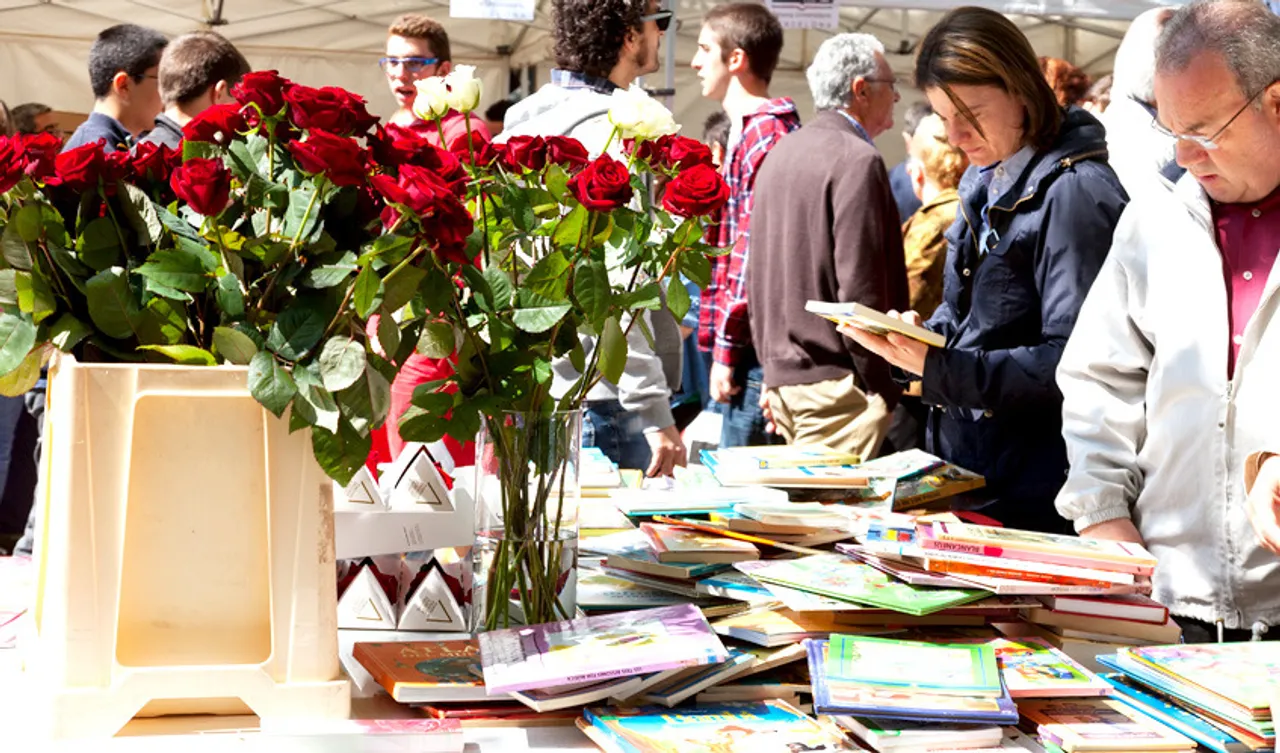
597	648
1012	539
1097	724
889	735
1032	668
1245	674
737	728
769	626
421	671
684	545
968	669
877	322
783	456
935	485
838	577
1172	715
800	477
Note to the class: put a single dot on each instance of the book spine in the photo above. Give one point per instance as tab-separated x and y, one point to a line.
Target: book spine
1154	614
1026	555
950	489
966	568
944	532
1034	566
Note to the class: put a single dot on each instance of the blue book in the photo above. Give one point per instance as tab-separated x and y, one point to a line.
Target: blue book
1173	715
840	697
768	726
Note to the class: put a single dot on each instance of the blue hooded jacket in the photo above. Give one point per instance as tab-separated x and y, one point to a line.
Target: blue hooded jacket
995	406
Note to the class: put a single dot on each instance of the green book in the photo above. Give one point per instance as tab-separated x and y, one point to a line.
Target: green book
945	668
838	577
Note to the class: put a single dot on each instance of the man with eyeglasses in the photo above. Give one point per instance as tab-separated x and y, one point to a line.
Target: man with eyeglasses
1169	378
418	48
602	46
124	67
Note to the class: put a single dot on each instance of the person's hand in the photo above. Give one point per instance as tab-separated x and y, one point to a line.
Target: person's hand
722	387
1264	503
668	451
1120	529
767	410
906	353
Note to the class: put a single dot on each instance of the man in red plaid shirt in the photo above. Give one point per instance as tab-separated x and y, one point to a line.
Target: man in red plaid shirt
738	50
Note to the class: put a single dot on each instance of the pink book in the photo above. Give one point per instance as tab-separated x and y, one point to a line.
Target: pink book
1071	551
1134	608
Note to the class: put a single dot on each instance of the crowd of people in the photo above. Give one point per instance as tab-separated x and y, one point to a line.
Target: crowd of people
1096	255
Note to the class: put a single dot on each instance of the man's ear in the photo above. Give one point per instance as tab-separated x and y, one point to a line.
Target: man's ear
121	84
444	68
737	62
220	93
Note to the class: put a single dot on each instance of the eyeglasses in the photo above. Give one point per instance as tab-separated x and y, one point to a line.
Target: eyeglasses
661	18
1207	143
409	64
892	82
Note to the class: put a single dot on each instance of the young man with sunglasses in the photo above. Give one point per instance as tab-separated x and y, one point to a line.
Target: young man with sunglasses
1169	377
418	48
602	46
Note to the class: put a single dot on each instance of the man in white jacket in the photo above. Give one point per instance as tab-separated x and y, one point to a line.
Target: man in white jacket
1169	377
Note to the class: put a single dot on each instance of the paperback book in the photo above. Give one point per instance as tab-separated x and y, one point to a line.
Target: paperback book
1173	716
968	669
1099	724
767	726
935	485
892	735
767	457
1244	674
423	671
1032	668
839	577
801	477
877	322
1012	539
683	545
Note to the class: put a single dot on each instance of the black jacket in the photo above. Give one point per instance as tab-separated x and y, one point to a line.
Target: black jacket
1007	315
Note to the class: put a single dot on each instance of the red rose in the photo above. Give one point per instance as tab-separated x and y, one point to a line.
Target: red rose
338	158
216	125
483	151
567	152
684	152
395	145
696	192
154	162
439	212
450	227
12	164
40	152
262	88
525	151
329	108
653	151
603	185
80	169
205	184
115	167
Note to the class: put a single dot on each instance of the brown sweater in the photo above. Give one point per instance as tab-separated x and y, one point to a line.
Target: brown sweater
925	244
824	227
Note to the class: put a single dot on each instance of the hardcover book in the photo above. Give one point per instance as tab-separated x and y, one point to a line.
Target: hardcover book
839	577
1172	715
968	669
1136	608
876	322
422	671
767	726
683	545
1098	724
1032	668
935	485
775	627
597	648
1034	541
1243	673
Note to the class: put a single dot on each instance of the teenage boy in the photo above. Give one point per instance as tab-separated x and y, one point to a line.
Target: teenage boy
418	48
197	72
123	70
738	49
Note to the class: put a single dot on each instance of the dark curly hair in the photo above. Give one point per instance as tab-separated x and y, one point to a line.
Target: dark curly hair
588	34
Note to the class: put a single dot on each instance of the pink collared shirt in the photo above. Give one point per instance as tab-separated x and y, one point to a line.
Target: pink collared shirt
1248	237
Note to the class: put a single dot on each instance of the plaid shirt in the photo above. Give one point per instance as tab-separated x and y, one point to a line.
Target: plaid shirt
723	327
579	80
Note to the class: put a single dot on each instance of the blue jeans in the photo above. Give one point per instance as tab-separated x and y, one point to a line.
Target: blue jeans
743	418
617	432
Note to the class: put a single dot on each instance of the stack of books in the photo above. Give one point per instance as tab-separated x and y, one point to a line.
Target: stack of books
1098	725
768	726
1085	626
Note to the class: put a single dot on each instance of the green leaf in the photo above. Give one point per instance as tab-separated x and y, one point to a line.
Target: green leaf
16	252
28	222
21	380
99	244
418	425
234	345
230	297
550	276
259	192
388	334
8	287
571	227
178	269
66	332
35	297
538	315
578	357
111	303
17	335
199	150
613	350
188	355
394	247
437	339
500	287
164	291
270	384
678	298
400	287
313	402
341	363
365	403
697	267
329	275
501	334
591	288
368	293
647	296
298	222
141	213
162	322
557	182
176	225
297	330
437	291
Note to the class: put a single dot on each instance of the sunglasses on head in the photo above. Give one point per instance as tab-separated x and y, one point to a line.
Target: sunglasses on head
660	18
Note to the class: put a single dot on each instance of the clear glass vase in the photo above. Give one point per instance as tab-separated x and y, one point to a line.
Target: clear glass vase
524	562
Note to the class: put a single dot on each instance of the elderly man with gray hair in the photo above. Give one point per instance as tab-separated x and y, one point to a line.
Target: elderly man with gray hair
825	227
1169	379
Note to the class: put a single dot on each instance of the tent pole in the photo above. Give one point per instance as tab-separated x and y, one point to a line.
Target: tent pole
669	67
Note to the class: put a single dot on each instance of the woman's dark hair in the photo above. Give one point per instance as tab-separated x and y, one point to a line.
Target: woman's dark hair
588	34
980	47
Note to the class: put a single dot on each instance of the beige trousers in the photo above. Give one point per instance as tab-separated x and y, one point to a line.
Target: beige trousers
835	413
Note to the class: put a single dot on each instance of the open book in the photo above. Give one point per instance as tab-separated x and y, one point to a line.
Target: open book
864	317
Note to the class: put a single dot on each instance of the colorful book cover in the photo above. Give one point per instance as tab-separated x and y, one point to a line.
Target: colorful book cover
734	585
893	734
839	577
767	726
1013	538
784	456
901	465
947	668
419	671
1085	724
803	477
1210	705
934	485
931	545
1033	668
775	627
685	545
641	557
597	648
898	703
690	681
1243	673
1173	715
600	590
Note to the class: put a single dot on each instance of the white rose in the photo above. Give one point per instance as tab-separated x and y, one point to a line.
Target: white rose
433	98
639	116
464	88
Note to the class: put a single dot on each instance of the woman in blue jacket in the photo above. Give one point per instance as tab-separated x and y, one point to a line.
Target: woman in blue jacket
1038	208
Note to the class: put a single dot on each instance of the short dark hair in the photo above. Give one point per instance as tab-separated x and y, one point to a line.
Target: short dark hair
588	34
917	112
125	47
751	28
24	116
715	130
979	47
1245	35
498	110
194	62
418	26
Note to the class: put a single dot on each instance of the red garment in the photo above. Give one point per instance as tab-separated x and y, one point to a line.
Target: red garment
1248	236
454	125
723	322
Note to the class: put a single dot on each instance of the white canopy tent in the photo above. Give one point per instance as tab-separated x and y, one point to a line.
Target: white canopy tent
44	43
